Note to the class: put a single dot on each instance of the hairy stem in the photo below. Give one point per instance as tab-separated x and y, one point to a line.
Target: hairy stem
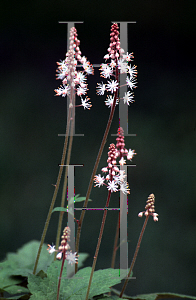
98	244
95	167
135	255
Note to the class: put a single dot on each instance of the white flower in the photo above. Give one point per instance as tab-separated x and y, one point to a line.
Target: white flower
85	103
124	187
81	90
109	101
62	64
99	180
128	56
63	91
128	98
130	154
122	161
85	64
132	71
72	258
131	82
61	74
89	69
112	186
106	71
51	249
80	78
112	86
105	169
101	87
112	64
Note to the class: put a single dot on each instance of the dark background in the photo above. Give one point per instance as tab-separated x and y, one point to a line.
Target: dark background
163	117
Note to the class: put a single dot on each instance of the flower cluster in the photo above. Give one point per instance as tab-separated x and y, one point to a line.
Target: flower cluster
120	62
74	81
115	177
150	208
64	247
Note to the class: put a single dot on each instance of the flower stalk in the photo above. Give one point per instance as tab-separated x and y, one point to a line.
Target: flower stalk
150	210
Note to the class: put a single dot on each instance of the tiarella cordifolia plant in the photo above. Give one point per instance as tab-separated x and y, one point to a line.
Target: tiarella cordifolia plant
44	284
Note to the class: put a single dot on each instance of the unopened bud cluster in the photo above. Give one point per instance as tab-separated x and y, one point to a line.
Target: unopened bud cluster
150	208
121	150
73	80
114	42
64	247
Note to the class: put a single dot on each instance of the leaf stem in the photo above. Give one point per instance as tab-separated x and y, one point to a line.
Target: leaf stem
135	255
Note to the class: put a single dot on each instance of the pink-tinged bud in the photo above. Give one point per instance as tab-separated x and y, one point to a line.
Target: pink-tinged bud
108	177
140	214
59	255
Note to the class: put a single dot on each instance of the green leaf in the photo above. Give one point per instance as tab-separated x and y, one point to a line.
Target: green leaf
15	289
77	199
59	209
20	264
72	288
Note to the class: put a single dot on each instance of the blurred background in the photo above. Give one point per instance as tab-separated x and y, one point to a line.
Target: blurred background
163	117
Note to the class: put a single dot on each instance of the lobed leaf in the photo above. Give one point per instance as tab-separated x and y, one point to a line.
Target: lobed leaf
74	288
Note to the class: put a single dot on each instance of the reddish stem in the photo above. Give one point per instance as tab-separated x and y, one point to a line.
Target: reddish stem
135	255
98	244
59	284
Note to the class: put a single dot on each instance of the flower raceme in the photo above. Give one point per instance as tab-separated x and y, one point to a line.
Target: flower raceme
71	78
121	61
115	178
150	208
72	258
122	151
